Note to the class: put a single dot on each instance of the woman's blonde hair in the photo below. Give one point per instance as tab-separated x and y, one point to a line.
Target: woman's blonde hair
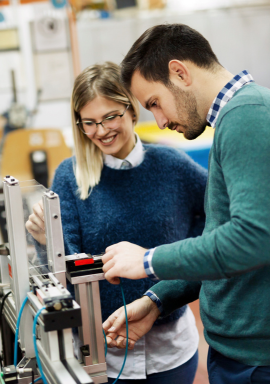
96	80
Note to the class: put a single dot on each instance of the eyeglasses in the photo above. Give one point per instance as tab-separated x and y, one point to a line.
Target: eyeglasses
110	122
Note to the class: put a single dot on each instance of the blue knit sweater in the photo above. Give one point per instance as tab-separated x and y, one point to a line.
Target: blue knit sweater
158	202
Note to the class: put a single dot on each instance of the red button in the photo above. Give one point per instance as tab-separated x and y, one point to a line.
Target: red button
84	262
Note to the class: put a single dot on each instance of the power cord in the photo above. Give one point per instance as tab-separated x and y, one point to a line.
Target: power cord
35	340
17	331
126	351
17	335
1	323
35	346
39	378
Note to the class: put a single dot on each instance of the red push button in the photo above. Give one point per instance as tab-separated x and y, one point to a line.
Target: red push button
83	262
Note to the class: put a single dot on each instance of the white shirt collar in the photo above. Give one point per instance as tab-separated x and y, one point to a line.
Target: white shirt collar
134	159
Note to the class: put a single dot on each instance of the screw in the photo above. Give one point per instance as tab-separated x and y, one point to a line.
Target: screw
7	176
55	216
57	306
59	254
12	179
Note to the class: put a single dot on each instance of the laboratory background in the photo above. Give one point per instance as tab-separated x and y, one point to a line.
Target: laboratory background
44	45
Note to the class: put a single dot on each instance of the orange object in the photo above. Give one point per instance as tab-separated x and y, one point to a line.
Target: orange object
10	271
19	144
30	1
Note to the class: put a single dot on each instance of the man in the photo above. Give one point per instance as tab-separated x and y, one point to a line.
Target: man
174	73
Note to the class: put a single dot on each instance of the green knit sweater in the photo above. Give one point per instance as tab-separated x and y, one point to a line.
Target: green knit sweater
228	267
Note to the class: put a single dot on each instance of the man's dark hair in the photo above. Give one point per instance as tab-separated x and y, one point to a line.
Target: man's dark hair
158	45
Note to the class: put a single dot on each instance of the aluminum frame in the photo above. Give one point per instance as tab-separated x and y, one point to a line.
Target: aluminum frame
54	236
18	262
88	297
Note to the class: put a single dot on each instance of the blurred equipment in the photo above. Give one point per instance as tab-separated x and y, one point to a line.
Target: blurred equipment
37	303
17	114
52	53
94	5
40	167
151	4
34	153
125	3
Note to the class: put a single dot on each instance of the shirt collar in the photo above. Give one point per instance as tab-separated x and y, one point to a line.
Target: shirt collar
134	159
226	94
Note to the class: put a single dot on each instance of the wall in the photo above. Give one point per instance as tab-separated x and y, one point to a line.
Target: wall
240	38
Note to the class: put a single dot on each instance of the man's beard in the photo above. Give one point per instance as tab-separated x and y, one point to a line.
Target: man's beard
185	101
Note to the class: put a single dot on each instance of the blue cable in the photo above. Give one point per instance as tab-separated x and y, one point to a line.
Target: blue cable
17	332
39	378
35	346
126	352
35	340
106	347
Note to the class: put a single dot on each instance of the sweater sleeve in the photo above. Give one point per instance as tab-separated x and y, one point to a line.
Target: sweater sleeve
173	294
242	243
197	185
64	184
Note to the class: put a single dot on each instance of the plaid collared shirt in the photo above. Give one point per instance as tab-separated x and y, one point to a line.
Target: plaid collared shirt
226	94
220	101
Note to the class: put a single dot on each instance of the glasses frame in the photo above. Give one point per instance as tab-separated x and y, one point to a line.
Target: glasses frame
78	123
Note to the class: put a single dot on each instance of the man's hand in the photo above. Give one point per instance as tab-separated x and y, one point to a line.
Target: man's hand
123	260
35	224
141	314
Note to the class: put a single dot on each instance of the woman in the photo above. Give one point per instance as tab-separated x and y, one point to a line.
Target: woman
117	189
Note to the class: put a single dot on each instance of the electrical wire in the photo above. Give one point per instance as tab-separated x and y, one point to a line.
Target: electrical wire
1	323
106	346
35	341
17	331
126	351
35	346
39	378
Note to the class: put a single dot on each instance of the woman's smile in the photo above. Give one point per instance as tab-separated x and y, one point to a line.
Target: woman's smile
109	140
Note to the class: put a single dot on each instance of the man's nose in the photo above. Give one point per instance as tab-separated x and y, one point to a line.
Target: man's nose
161	120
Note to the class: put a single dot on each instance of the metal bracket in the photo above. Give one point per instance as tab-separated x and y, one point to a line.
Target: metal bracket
51	194
11	180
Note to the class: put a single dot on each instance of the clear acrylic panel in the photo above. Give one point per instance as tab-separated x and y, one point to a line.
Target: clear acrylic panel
32	193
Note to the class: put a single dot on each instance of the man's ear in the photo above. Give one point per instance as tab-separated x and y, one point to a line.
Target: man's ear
179	72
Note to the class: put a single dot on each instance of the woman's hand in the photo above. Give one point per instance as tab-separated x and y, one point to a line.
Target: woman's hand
142	314
35	224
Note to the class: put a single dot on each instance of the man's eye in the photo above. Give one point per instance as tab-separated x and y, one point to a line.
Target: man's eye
111	117
154	104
